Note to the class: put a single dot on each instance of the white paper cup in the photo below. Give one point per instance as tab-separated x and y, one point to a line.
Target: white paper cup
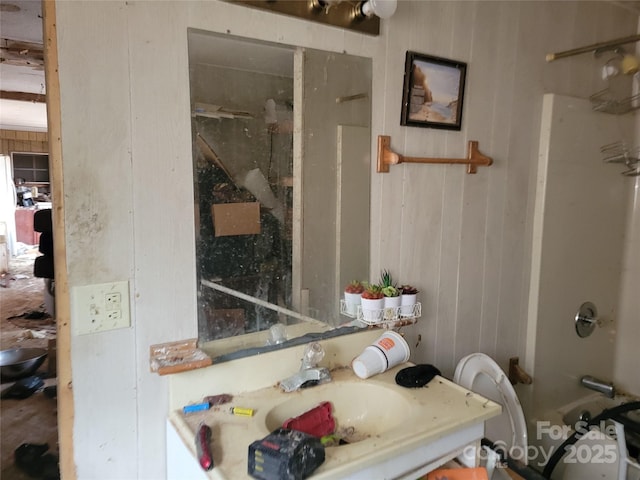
369	363
386	352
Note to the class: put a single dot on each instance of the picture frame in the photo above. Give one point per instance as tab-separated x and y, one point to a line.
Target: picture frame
433	92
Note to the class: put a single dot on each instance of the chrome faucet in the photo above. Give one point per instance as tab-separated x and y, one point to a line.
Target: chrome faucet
593	383
310	374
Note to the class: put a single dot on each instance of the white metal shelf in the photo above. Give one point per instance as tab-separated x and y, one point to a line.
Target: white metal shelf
605	102
390	317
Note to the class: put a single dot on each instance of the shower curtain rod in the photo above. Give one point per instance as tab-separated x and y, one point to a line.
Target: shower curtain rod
593	48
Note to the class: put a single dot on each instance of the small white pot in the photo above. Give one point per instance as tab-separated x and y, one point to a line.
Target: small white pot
351	301
391	305
372	309
407	302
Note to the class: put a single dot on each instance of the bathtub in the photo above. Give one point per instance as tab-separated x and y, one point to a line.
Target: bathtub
598	454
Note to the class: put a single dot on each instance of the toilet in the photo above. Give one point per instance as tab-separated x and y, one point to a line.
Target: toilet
508	431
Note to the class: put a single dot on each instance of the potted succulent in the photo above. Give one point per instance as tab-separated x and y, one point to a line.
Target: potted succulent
408	299
352	295
391	294
372	303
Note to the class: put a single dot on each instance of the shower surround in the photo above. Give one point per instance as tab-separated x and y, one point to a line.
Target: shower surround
585	226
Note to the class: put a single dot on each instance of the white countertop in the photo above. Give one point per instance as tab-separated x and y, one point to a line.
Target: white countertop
430	413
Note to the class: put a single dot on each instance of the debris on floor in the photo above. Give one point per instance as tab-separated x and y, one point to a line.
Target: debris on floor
32	315
36	334
7	278
50	391
23	388
32	420
34	460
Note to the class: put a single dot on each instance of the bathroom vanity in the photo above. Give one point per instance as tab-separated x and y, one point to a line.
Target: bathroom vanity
392	431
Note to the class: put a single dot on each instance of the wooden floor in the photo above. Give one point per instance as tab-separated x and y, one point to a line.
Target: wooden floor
32	420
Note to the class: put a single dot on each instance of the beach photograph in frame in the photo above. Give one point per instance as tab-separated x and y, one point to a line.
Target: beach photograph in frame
433	92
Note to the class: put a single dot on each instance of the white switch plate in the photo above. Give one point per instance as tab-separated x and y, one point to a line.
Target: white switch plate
100	307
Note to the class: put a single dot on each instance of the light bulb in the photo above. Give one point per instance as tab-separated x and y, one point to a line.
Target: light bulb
630	64
380	8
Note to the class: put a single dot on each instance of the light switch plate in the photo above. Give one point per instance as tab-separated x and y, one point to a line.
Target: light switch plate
100	307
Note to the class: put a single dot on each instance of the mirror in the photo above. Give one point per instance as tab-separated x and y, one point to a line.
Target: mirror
281	151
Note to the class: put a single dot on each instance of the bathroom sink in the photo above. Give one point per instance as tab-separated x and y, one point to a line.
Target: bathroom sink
388	429
361	410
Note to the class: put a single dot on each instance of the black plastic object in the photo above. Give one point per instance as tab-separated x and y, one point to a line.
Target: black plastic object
32	459
50	391
42	220
416	376
45	244
27	457
23	388
43	266
285	455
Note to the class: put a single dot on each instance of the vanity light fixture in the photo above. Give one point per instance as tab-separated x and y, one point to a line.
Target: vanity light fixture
325	5
361	9
358	15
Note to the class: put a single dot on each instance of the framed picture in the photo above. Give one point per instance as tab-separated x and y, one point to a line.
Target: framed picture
433	92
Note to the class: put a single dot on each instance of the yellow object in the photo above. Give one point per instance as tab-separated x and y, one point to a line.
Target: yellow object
242	412
630	64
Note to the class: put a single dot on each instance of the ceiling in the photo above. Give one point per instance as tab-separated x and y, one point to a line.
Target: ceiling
21	21
21	70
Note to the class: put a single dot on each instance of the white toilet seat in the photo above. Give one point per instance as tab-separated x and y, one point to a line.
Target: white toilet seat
480	374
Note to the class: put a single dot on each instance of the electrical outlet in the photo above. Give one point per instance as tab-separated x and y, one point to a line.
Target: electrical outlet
100	307
112	301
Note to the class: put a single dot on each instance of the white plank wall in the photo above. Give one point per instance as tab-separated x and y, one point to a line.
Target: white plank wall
463	240
466	239
574	262
96	145
626	374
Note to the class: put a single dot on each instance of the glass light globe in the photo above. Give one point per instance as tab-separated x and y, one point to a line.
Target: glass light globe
381	8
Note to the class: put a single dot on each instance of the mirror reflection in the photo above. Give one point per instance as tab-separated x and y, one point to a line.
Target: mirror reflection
281	151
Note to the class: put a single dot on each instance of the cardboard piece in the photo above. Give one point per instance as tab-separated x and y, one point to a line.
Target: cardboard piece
236	218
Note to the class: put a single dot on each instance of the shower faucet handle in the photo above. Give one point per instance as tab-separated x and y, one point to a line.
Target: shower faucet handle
586	319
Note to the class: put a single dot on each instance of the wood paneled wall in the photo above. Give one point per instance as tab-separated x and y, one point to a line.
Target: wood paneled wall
464	240
22	141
